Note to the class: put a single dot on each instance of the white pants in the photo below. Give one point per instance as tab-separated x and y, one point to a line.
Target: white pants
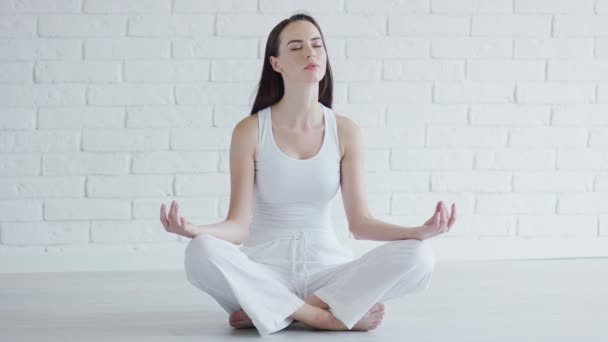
270	279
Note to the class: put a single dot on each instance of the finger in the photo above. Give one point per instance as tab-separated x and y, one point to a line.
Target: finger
183	222
449	218
171	211
442	214
177	215
437	219
438	207
163	216
453	217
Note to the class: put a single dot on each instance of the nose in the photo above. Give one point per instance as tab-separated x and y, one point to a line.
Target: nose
310	52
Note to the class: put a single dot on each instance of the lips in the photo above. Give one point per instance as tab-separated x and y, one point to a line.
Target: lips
311	65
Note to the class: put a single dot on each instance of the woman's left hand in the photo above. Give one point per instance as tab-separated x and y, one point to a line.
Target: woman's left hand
439	223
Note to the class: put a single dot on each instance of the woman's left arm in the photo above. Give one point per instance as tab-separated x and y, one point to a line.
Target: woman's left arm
360	221
374	229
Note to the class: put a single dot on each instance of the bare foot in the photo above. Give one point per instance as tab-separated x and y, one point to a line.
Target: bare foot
325	320
316	301
371	320
240	320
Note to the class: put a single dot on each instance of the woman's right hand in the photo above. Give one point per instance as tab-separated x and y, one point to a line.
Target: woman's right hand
174	223
439	223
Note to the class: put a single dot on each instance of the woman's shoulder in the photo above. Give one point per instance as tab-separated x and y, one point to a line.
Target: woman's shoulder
246	132
345	122
347	127
348	130
247	125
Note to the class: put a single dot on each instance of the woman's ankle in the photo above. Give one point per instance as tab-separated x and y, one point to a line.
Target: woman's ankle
316	301
317	318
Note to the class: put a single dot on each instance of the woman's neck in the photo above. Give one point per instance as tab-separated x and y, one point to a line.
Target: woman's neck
299	107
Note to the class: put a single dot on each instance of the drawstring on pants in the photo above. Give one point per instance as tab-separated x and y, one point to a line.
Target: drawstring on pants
299	249
297	257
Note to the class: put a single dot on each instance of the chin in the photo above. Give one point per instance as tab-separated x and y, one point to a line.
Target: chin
315	81
313	78
316	77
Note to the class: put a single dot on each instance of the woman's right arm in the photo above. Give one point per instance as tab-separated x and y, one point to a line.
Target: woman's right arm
177	224
228	230
235	228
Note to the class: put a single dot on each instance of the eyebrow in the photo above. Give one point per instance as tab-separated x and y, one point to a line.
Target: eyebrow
299	40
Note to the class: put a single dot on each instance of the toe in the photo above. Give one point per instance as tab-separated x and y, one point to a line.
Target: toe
239	315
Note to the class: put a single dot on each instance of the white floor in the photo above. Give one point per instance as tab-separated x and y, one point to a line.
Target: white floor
536	300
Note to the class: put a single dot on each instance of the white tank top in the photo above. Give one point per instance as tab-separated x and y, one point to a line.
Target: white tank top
292	197
291	193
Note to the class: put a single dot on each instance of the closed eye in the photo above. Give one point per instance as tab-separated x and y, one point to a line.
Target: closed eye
300	48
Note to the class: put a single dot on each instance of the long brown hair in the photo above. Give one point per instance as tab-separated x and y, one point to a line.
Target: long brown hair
270	88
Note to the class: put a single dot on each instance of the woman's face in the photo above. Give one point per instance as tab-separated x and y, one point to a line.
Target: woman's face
300	45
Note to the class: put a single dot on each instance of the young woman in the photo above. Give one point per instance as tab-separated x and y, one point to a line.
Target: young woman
287	161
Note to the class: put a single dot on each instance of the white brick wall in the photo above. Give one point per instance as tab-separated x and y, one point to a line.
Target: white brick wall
109	108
